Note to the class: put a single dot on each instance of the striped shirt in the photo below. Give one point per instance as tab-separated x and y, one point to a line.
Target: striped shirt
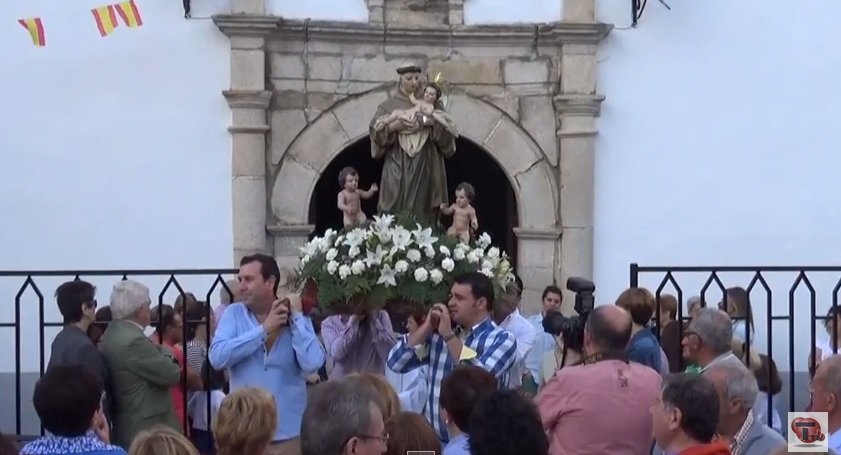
196	354
495	352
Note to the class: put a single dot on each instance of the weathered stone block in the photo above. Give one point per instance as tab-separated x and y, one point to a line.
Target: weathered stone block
298	85
318	143
480	71
321	101
288	99
324	67
577	252
248	69
513	149
474	120
538	191
285	46
250	162
377	69
286	66
248	195
537	116
354	115
355	87
508	104
292	208
346	48
286	125
579	11
577	175
578	73
519	72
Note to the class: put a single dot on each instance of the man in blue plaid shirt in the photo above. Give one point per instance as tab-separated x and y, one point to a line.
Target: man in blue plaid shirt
475	341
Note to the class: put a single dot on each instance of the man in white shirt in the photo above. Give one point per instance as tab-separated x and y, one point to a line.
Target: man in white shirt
544	343
507	316
826	393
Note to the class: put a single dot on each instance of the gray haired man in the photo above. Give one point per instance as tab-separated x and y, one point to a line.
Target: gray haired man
737	390
708	339
343	418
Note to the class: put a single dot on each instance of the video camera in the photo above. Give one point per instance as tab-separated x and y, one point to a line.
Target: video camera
571	330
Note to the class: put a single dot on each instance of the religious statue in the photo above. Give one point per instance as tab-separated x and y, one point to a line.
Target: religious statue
464	215
349	200
413	137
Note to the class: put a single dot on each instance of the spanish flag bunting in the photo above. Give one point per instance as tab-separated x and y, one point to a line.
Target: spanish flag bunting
106	20
129	13
36	30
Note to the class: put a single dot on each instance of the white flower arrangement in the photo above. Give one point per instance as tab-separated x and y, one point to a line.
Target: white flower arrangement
387	260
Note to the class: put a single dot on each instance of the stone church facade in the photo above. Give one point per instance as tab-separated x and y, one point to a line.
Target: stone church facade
303	91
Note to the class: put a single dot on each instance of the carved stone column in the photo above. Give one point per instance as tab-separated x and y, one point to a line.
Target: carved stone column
538	259
249	101
288	240
577	106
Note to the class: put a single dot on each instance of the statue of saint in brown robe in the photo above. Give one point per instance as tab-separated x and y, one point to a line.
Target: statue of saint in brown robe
414	179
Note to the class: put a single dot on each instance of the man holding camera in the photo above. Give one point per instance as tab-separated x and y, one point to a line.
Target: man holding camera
267	341
601	406
460	332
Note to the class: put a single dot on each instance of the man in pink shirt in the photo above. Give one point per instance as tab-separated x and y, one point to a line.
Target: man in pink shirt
602	406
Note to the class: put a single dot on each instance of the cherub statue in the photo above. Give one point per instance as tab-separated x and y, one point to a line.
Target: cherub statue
350	197
414	117
464	215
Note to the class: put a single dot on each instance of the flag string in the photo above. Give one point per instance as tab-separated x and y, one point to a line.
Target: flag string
107	18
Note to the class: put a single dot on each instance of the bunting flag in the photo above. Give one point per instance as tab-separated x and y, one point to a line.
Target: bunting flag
36	30
129	13
106	20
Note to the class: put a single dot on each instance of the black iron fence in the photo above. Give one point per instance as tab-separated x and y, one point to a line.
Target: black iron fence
36	320
788	307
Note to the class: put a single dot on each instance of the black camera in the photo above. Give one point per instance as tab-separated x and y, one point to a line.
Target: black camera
583	288
571	330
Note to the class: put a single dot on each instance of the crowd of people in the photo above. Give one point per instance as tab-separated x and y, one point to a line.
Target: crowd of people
261	374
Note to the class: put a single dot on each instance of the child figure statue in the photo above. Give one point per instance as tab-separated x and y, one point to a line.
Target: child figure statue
350	197
464	215
423	108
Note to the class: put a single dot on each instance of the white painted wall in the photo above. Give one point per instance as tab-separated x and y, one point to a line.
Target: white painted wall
475	11
719	145
332	10
507	11
116	152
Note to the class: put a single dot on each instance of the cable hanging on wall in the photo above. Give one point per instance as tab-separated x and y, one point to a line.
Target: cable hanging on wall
638	7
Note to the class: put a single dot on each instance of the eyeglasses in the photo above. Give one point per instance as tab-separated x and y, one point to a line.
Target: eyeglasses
383	438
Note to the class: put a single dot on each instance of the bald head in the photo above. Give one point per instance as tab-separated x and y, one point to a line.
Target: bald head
828	375
609	327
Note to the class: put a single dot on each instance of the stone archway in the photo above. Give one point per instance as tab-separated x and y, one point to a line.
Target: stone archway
524	163
316	83
481	122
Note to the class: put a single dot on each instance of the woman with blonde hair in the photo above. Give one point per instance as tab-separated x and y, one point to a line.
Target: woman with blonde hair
161	440
246	422
384	390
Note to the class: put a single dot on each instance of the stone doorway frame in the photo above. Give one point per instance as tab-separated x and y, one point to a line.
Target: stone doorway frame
514	150
257	226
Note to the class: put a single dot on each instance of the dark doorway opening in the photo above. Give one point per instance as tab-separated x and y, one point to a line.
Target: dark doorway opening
495	204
